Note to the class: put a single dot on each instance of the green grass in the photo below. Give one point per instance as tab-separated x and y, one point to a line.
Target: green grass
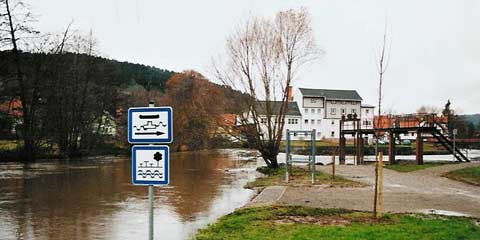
469	175
298	176
412	166
287	222
9	145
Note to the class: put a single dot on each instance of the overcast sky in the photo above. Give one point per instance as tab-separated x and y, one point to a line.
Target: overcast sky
434	53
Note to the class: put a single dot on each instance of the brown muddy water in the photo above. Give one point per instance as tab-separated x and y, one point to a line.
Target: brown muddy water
95	198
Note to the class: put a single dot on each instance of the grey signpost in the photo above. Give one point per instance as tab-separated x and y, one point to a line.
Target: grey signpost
150	163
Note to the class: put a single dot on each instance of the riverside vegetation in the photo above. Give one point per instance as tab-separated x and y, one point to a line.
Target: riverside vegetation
293	222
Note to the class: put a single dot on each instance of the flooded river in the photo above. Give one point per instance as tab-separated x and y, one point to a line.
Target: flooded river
95	199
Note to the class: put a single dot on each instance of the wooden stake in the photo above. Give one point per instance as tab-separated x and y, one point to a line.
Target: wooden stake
380	185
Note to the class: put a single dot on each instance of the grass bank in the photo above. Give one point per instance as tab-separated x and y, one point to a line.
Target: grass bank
291	222
411	166
469	175
298	176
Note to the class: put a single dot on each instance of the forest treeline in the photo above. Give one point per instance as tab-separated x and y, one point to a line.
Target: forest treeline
74	100
69	98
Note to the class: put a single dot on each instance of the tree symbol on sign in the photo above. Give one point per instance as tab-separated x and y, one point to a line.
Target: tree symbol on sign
158	156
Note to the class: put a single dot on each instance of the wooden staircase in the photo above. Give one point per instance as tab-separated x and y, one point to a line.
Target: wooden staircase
448	144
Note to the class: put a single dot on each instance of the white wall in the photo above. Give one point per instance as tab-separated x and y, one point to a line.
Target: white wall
350	107
312	102
366	117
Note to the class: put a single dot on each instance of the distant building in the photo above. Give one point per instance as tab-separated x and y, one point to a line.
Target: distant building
293	117
12	107
107	126
322	110
319	109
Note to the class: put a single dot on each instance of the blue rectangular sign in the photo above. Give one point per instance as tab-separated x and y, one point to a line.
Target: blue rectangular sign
150	125
150	165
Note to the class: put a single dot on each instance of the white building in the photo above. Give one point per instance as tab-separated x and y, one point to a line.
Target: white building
320	109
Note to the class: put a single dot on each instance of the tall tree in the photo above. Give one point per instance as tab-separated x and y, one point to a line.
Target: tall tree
15	19
198	104
263	57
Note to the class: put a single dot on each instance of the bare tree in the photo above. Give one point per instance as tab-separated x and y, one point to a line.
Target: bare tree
381	68
15	18
428	109
263	57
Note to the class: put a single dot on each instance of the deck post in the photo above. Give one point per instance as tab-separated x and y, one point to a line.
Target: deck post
360	148
419	150
391	147
341	157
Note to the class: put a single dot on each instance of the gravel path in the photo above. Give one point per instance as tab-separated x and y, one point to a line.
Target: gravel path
419	191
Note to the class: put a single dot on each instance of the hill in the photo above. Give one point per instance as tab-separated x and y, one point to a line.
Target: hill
132	75
472	118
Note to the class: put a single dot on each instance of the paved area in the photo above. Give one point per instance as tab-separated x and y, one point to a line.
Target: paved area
419	191
269	195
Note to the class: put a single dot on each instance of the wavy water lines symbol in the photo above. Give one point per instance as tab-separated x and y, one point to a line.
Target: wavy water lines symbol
151	174
149	125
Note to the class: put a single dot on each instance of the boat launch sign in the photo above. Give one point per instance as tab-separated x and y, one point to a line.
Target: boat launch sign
150	125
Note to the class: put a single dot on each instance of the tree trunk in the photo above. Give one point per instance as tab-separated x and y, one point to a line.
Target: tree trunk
269	155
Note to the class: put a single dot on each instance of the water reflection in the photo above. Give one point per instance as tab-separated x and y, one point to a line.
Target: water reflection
94	199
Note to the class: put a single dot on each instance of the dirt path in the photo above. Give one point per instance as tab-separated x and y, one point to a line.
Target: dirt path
420	191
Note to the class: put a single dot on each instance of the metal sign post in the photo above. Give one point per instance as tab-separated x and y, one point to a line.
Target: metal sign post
150	163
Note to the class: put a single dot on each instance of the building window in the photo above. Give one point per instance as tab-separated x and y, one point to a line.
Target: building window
319	121
292	121
367	111
263	120
306	110
334	102
319	134
343	110
313	100
319	111
354	111
306	121
333	134
333	111
312	121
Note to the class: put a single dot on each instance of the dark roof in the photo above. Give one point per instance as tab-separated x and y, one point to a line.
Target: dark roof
293	109
367	106
331	94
